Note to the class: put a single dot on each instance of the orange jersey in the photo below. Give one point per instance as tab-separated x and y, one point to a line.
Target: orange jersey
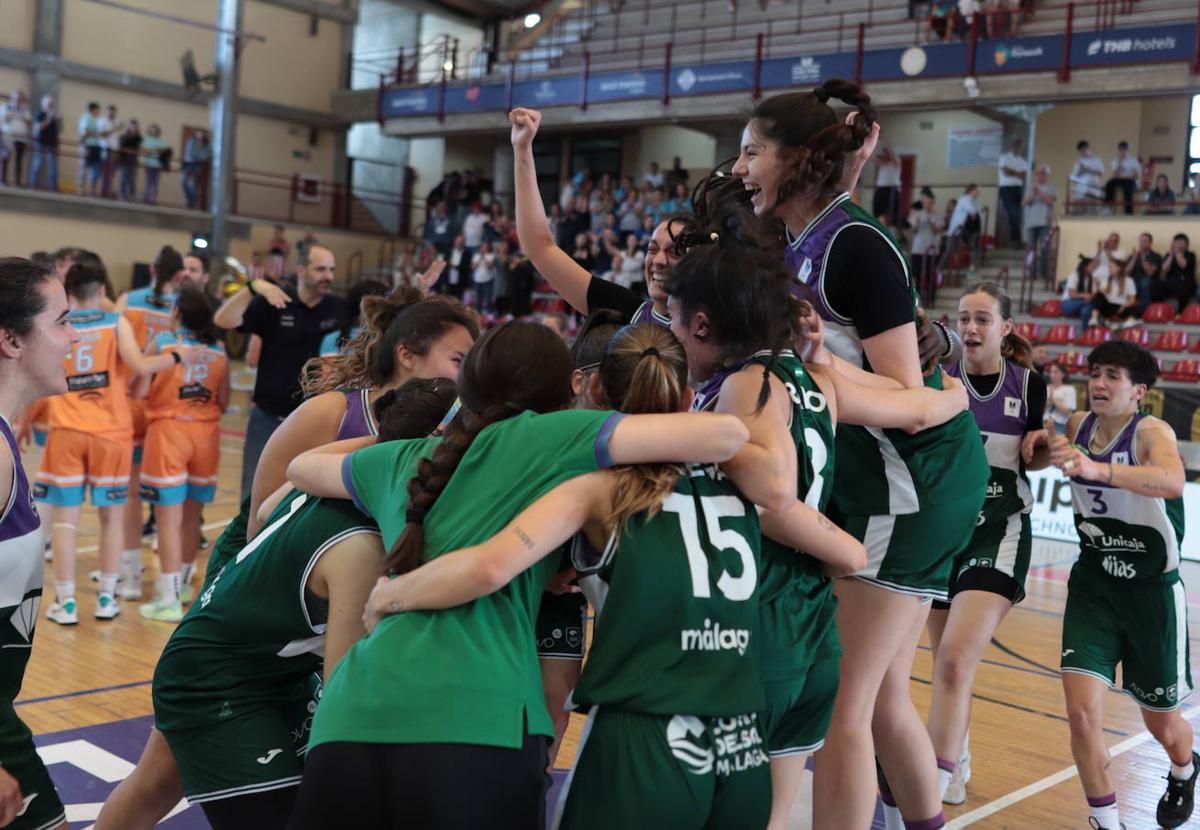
38	414
149	314
97	397
188	391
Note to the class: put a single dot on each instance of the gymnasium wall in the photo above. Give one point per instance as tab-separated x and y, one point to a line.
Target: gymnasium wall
697	151
17	31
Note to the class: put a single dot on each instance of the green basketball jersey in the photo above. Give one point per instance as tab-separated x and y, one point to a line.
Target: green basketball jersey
676	598
888	471
785	571
231	540
1125	534
249	639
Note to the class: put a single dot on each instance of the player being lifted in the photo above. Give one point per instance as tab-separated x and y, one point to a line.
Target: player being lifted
1125	599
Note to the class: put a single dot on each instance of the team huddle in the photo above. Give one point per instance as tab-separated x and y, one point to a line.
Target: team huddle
767	477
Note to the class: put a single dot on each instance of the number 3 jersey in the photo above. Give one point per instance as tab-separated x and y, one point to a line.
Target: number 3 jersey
188	391
1127	535
676	598
97	396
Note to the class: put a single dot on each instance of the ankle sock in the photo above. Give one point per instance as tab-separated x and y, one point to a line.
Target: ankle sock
108	583
64	591
934	823
1181	773
189	568
945	773
1104	811
168	587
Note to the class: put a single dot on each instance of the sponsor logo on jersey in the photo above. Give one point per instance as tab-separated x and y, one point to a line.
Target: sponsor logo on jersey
1168	694
1100	540
805	270
1012	407
738	744
995	490
681	732
269	757
24	616
25	802
1120	457
1068	651
714	638
1119	568
810	399
574	636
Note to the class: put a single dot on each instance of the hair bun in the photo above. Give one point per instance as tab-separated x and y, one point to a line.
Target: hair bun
823	93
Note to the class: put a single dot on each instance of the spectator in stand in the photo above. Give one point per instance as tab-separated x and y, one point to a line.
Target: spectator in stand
1191	195
1160	200
91	166
970	12
278	249
1013	168
1125	172
1003	22
157	159
1060	396
926	224
1085	180
629	214
646	231
579	220
483	276
633	261
15	124
129	150
653	177
197	157
1108	251
1179	273
307	242
885	204
964	222
1041	362
458	267
46	128
439	229
111	130
1118	298
1039	215
677	174
1145	267
472	228
256	270
680	202
581	252
604	249
554	220
940	14
1079	289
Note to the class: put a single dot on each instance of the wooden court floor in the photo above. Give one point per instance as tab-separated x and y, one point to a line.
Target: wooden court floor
99	672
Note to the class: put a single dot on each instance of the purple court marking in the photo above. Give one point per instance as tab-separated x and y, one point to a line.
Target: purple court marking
82	692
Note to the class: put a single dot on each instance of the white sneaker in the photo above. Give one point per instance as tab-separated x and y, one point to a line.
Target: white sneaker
956	791
107	607
63	613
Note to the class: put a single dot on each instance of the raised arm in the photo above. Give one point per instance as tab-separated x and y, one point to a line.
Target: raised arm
231	312
563	273
319	471
466	574
805	529
698	437
1158	474
911	410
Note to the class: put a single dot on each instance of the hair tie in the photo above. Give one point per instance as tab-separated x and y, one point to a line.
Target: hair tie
414	516
650	351
714	236
822	94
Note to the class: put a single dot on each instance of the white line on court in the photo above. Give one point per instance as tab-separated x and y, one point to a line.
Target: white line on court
1016	796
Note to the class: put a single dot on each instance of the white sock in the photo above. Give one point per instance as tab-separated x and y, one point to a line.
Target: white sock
892	820
1181	773
944	776
1107	817
168	587
189	568
108	583
64	591
964	754
131	562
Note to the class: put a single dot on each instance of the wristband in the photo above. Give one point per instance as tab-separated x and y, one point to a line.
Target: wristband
946	336
1110	472
175	356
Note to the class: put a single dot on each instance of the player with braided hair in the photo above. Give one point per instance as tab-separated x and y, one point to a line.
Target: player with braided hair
508	445
912	499
731	308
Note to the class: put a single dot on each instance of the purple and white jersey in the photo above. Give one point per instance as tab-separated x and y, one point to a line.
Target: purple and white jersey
710	390
359	420
21	547
647	314
1003	418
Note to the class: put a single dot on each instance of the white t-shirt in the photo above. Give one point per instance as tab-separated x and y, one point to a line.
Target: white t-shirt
631	269
472	229
1085	178
484	268
1064	396
887	173
924	234
965	209
1122	293
1126	168
105	126
12	121
1012	162
653	179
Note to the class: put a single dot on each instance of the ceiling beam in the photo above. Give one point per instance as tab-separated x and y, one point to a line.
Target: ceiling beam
317	9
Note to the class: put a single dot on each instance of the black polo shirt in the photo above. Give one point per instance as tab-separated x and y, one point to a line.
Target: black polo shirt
290	336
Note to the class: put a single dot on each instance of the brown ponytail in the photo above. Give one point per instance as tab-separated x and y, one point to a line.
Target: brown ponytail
515	367
1014	346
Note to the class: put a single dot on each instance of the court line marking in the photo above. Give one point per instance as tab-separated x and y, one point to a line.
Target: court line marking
82	692
1017	796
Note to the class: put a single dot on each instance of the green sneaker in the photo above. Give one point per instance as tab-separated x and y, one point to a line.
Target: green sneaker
162	610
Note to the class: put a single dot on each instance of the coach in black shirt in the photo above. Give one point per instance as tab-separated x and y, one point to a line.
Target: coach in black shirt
291	323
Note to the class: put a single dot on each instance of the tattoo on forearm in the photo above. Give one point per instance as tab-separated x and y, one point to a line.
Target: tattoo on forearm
828	525
524	537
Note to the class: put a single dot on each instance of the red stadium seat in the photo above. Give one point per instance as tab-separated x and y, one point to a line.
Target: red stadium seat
1184	370
1191	315
1049	308
1061	334
1137	335
1094	336
1195	347
1159	313
1030	331
1075	362
1171	341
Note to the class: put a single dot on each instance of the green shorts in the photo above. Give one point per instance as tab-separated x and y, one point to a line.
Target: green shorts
799	710
259	751
43	809
682	772
914	553
1141	624
560	625
997	560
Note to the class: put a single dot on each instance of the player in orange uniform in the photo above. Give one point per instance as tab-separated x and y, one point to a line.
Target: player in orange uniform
148	311
183	444
91	437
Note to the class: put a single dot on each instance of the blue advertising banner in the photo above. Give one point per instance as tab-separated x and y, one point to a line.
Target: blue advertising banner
1041	53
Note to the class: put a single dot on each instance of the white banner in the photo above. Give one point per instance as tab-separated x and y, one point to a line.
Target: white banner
1052	517
974	146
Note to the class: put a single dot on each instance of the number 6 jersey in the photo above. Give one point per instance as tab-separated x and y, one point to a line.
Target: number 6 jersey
97	396
676	598
1127	535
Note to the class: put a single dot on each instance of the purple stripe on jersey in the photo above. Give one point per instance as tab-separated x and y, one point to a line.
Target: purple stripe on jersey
356	422
603	456
647	314
710	390
805	257
1121	451
348	483
1002	411
22	519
